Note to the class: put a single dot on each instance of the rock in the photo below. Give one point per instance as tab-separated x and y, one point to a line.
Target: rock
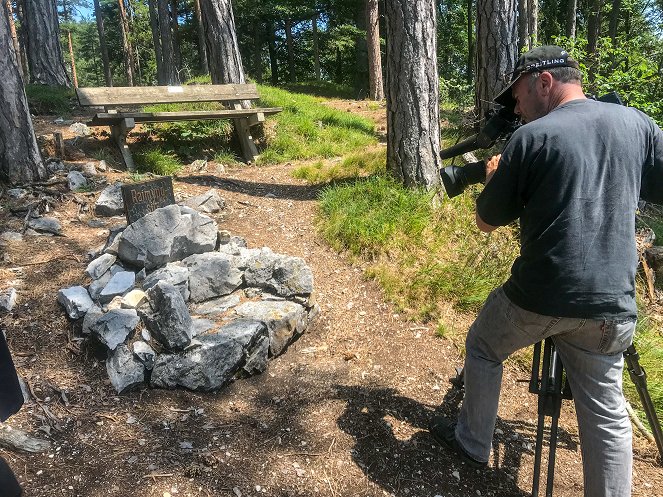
119	284
110	201
211	275
75	300
134	299
46	225
17	193
80	129
256	361
208	202
98	285
217	306
7	299
55	166
100	265
283	275
167	317
213	362
10	237
125	370
76	180
96	223
174	273
200	326
89	169
144	353
102	166
91	317
285	321
165	235
114	327
254	338
115	303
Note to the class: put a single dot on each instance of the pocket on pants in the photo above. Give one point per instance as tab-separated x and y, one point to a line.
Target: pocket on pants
616	336
535	325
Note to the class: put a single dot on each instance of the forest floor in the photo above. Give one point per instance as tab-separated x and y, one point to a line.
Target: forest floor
343	412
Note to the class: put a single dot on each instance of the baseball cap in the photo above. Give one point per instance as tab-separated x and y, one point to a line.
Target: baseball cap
537	59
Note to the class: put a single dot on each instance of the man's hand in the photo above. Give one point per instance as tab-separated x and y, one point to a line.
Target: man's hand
491	166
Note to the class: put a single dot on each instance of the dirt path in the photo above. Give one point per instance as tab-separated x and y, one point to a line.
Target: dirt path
342	413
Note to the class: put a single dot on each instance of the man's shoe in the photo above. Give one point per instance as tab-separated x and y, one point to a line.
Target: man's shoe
443	431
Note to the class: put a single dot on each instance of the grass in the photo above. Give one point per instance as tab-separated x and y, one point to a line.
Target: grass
353	166
51	100
325	89
157	161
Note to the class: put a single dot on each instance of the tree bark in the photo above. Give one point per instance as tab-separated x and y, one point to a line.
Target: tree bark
376	88
257	50
103	48
12	28
316	48
156	40
177	53
523	25
614	20
571	10
45	56
224	58
533	21
273	61
20	161
292	77
497	50
470	43
413	130
594	25
202	49
167	49
127	50
74	76
23	41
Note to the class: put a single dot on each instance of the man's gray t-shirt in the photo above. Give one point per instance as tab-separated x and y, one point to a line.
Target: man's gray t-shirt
574	177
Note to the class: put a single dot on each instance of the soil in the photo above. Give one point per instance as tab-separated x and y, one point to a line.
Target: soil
342	413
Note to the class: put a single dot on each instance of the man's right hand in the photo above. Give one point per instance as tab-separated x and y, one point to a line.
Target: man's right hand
491	166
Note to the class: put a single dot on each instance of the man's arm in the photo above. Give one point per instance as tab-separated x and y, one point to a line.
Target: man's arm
491	167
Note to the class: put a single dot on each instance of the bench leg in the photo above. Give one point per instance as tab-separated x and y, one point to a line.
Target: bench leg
243	133
119	133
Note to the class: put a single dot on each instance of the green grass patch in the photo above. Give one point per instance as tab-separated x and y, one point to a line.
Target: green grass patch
50	100
325	89
157	161
353	166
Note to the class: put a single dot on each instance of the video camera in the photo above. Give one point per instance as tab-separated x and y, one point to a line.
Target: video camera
498	125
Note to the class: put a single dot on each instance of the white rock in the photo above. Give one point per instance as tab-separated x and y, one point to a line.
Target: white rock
76	180
7	299
76	301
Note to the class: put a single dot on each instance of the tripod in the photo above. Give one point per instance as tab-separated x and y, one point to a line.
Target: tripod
548	381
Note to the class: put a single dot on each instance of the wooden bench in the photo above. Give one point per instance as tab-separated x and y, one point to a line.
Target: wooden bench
121	122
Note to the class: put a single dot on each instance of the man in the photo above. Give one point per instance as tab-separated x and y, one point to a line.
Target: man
572	175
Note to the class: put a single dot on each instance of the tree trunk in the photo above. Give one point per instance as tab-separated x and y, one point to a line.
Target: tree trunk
497	49
74	76
361	83
20	161
376	88
43	36
614	20
533	21
126	44
167	49
177	53
23	41
470	43
523	26
224	58
292	77
202	49
273	60
12	28
571	9
413	130
156	39
108	77
257	50
316	48
593	26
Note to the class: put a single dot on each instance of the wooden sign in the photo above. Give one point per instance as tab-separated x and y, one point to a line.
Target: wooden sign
142	198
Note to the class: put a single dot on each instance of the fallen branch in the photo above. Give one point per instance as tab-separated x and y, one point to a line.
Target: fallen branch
13	438
638	424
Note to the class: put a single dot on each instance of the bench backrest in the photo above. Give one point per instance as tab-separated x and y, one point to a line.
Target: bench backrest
138	95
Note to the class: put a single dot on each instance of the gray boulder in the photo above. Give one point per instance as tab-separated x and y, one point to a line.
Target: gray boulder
91	317
114	327
165	235
213	361
174	273
7	299
144	353
285	321
282	275
211	275
217	306
119	284
98	285
45	225
89	169
125	370
208	202
76	180
167	317
200	326
75	300
17	193
96	268
110	201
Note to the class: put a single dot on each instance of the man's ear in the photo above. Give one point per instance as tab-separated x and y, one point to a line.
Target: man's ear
545	82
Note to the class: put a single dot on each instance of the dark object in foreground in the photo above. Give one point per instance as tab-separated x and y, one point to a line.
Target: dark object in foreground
11	400
8	482
443	431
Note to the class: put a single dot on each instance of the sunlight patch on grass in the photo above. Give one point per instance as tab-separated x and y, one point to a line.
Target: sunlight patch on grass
353	166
